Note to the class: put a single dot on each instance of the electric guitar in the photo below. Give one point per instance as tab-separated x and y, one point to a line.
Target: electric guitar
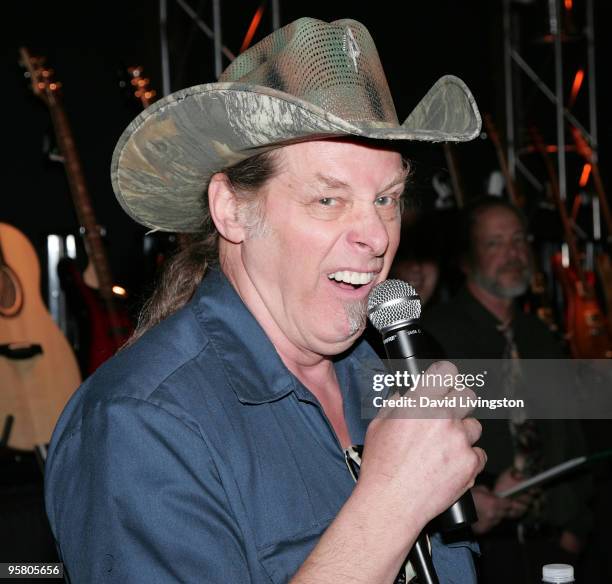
585	323
38	370
109	324
140	89
603	262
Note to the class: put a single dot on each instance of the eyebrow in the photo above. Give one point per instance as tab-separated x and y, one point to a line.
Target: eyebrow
335	183
520	231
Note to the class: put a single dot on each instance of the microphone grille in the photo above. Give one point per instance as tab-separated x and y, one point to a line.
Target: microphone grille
393	302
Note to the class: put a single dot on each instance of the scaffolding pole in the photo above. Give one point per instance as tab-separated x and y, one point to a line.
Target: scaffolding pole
513	58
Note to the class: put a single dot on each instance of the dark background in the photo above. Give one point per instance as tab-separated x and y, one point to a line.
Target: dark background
90	44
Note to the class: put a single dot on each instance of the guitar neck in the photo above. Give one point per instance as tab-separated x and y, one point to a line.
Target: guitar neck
568	235
603	200
80	197
585	150
515	197
453	168
553	179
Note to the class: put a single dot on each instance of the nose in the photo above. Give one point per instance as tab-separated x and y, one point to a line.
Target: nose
369	232
510	250
514	250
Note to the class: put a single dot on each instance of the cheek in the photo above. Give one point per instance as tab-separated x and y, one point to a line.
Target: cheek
489	261
525	257
393	233
293	253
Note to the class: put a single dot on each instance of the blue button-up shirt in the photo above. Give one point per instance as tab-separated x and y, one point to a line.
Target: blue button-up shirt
196	456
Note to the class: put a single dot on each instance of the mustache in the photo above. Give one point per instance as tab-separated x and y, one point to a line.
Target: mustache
513	265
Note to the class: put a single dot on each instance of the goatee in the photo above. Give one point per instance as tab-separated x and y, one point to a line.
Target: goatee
357	315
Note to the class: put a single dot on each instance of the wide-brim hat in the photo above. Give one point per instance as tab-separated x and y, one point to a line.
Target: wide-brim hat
308	80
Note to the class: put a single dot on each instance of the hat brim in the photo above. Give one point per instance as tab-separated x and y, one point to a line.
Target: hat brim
165	157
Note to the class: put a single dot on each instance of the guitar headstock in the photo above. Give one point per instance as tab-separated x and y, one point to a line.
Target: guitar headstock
140	86
41	78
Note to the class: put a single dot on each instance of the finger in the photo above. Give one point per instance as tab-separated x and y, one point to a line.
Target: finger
438	380
497	513
482	489
482	459
460	403
524	499
473	429
516	511
443	368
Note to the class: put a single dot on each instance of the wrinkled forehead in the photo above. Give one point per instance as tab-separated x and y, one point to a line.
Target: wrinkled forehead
346	160
497	221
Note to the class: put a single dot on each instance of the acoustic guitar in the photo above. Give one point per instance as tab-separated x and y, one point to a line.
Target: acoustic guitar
38	370
585	323
108	321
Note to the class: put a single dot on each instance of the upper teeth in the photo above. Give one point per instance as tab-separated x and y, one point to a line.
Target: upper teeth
352	277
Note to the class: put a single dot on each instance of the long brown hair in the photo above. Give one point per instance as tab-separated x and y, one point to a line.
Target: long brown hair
182	273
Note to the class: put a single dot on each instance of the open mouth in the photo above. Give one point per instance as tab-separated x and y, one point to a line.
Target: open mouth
351	280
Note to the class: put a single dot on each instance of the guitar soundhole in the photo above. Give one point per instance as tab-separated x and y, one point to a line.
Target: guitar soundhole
11	295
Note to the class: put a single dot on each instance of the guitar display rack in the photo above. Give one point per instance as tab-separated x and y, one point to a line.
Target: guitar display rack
566	50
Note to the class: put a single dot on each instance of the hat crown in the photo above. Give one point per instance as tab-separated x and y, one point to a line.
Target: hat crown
332	65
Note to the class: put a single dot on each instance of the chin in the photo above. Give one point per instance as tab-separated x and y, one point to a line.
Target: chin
333	343
513	290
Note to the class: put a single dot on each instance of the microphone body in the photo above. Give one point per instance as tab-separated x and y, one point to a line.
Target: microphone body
402	345
394	309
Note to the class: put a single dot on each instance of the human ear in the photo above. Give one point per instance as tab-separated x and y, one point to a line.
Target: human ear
223	207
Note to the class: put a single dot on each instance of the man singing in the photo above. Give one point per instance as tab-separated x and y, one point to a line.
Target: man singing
212	448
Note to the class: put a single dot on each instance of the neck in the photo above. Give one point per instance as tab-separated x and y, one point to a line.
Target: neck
501	308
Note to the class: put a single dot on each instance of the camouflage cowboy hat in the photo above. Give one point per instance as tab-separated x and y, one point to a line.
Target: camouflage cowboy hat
308	80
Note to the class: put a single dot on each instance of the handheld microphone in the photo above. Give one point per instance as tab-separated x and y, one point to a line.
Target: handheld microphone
394	308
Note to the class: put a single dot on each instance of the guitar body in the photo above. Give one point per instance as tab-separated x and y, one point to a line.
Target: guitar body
587	332
604	271
38	370
537	301
101	334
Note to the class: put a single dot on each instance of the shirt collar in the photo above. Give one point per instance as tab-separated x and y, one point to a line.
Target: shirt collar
475	309
252	366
